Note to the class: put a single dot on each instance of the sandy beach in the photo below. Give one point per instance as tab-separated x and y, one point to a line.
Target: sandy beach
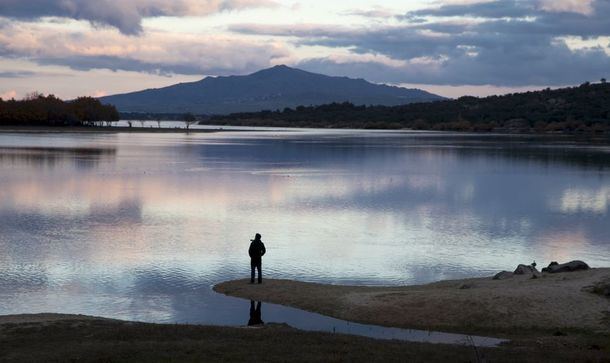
516	306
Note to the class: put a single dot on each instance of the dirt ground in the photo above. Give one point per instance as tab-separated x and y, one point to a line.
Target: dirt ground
64	338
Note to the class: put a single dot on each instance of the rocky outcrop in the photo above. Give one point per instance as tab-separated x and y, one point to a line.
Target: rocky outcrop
526	269
503	275
575	265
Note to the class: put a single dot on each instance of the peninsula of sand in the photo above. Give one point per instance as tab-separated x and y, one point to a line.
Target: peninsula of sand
557	302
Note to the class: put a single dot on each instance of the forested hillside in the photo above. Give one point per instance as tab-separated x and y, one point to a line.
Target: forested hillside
585	108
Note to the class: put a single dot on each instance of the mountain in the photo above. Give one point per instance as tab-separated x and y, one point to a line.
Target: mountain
269	89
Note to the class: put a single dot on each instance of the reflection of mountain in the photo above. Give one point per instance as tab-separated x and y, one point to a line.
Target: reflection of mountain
51	156
334	152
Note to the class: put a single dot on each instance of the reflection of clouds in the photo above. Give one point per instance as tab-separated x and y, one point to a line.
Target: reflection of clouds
426	182
579	200
51	157
126	211
170	213
17	277
562	245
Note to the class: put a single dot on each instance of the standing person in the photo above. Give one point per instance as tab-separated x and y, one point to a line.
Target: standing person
256	252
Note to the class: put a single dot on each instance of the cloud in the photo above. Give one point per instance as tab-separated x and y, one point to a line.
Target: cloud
125	15
508	43
549	69
374	12
155	51
16	74
584	7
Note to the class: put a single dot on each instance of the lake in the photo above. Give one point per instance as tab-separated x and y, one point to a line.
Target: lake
140	226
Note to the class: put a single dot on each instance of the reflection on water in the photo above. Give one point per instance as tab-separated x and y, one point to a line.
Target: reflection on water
315	322
139	226
48	157
255	314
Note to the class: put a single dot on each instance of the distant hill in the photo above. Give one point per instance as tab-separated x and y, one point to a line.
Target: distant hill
269	89
583	109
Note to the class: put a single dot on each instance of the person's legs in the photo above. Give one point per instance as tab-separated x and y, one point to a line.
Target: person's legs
260	272
252	267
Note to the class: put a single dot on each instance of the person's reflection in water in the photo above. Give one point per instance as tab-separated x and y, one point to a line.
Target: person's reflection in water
255	314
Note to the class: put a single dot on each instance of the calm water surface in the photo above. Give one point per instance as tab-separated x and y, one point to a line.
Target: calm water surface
140	226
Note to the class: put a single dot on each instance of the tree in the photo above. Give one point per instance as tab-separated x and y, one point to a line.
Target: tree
603	80
189	119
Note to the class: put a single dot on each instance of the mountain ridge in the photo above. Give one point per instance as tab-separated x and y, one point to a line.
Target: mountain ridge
272	88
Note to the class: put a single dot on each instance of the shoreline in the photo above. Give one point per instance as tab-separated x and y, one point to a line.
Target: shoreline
574	330
507	308
101	129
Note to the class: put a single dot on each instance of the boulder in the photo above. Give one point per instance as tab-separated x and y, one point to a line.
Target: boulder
525	269
503	275
575	265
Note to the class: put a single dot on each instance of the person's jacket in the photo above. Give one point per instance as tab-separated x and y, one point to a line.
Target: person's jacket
256	250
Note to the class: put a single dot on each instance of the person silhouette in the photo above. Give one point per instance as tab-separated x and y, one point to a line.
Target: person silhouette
256	252
255	314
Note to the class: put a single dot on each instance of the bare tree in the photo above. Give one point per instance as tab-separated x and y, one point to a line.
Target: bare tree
189	119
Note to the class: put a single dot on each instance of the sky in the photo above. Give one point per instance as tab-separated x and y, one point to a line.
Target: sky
72	48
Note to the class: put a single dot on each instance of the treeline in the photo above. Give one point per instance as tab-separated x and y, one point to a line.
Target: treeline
576	109
40	110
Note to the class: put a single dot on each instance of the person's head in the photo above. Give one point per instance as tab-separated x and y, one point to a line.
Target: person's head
257	237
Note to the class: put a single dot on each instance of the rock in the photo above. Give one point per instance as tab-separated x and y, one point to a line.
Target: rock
575	265
525	269
503	275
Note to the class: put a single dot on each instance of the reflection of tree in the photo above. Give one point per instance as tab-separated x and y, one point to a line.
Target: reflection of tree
48	156
381	152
